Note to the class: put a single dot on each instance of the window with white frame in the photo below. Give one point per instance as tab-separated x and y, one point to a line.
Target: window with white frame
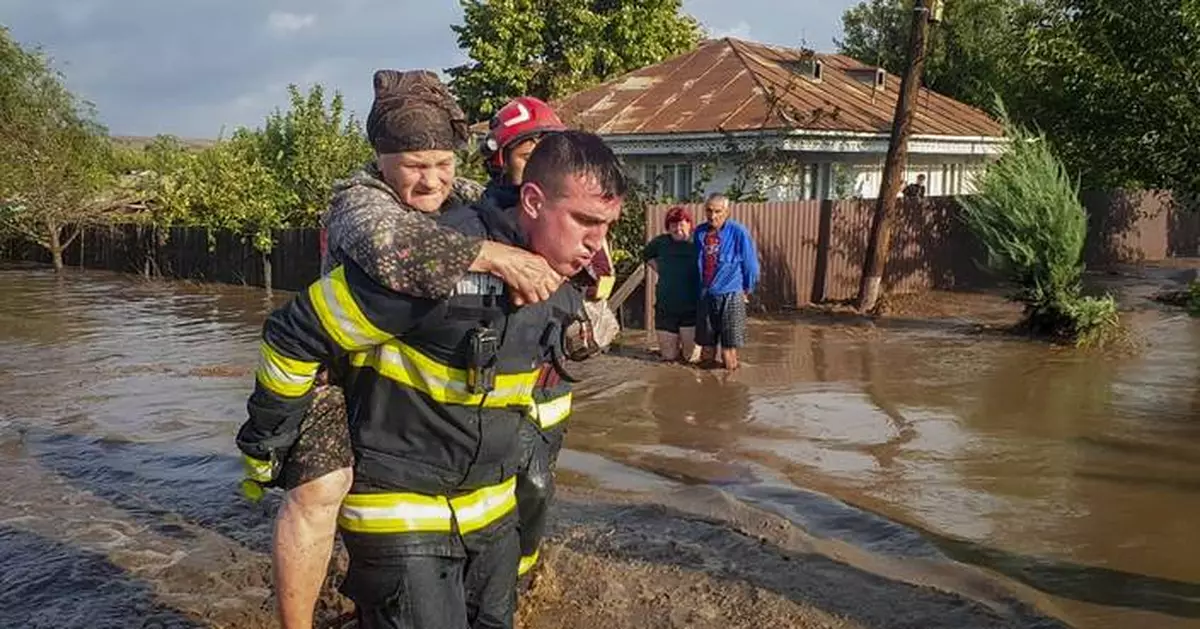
802	184
952	179
672	182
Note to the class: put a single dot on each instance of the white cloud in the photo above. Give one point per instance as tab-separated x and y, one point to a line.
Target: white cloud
741	30
284	23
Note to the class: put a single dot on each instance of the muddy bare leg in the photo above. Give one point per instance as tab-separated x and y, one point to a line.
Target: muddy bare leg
687	344
730	356
668	345
304	532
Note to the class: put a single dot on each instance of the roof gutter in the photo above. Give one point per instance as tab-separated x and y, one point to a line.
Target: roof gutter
799	140
761	133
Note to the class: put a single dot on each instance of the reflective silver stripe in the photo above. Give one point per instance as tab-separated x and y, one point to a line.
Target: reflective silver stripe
552	412
275	372
408	516
479	509
484	506
346	324
408	366
257	469
283	375
405	512
479	284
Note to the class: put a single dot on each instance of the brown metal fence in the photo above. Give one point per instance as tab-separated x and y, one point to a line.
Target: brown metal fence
812	251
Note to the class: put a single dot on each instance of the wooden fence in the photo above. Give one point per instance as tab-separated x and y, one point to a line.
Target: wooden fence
192	253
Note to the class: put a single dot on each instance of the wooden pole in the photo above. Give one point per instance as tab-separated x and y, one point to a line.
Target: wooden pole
871	285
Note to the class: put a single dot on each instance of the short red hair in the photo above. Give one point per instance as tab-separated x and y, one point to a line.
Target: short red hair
678	214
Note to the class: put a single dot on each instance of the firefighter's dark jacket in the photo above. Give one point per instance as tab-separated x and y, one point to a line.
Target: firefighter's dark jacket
416	425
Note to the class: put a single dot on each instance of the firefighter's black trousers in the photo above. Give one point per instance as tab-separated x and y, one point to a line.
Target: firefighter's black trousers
434	581
535	482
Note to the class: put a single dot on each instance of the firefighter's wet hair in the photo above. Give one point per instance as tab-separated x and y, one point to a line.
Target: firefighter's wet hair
563	153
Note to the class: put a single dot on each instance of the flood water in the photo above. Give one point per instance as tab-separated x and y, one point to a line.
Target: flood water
1074	476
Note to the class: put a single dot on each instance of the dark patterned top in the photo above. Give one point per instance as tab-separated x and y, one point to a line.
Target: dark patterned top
399	246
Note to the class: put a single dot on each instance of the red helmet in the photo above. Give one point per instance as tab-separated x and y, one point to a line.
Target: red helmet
519	119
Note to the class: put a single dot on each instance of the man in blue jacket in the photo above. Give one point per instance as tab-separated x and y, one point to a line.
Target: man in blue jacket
728	274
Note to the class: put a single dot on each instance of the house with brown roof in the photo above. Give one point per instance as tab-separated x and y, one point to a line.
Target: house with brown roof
777	124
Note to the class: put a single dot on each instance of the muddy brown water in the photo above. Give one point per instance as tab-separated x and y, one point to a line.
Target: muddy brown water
1071	478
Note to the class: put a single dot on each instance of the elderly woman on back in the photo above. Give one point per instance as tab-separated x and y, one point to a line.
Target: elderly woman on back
673	255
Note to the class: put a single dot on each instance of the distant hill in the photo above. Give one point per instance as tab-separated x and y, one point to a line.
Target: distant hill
140	141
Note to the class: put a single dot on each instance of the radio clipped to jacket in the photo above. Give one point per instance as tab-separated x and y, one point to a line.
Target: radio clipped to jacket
482	360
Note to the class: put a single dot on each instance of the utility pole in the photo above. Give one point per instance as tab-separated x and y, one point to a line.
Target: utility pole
871	285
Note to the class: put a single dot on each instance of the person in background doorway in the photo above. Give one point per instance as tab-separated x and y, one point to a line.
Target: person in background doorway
673	256
728	265
915	190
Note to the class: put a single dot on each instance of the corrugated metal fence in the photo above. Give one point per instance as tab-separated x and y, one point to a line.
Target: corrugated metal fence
812	251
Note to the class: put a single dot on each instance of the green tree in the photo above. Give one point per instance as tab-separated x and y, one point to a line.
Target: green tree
973	52
1116	86
227	187
258	180
550	48
876	32
154	173
308	147
56	164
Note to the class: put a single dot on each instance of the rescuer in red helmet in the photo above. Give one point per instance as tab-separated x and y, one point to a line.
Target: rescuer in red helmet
512	135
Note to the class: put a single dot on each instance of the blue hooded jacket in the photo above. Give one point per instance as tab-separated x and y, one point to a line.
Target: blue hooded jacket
737	260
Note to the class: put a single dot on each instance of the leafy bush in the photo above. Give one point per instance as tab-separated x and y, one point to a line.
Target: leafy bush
1193	299
1028	216
628	236
258	180
307	148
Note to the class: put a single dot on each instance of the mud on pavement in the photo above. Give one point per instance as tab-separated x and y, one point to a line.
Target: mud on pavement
83	550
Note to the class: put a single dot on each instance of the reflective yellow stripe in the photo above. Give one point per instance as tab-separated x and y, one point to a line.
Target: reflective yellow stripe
282	375
340	315
526	563
484	506
257	469
413	513
408	366
552	412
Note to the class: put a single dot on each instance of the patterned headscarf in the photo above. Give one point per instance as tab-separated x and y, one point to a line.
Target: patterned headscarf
414	111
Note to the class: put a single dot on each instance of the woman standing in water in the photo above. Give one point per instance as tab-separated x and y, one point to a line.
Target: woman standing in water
673	256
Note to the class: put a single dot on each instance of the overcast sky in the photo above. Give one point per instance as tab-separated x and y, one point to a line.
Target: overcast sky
190	67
